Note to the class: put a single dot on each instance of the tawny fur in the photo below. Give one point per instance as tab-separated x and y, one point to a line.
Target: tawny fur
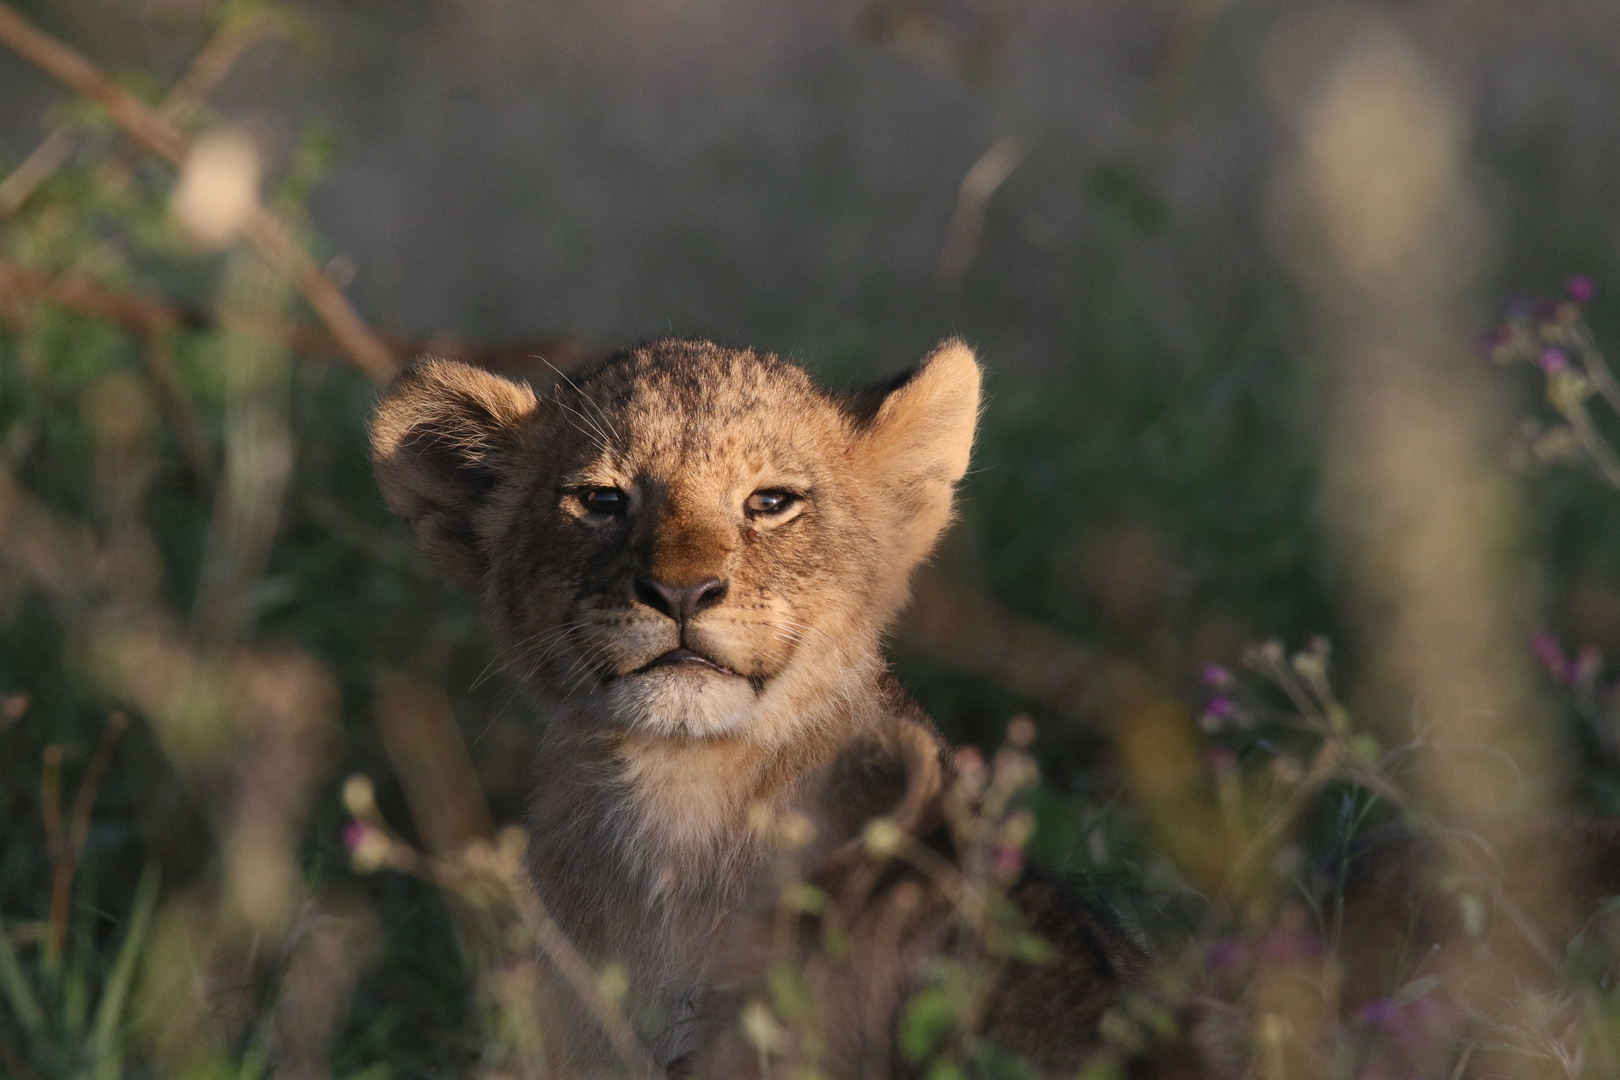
640	844
640	836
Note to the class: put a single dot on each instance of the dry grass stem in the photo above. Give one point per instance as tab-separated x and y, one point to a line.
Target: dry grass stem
980	182
70	848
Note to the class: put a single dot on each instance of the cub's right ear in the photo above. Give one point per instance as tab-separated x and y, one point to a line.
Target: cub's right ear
443	436
917	441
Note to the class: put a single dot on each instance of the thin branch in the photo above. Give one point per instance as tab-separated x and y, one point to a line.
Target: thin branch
354	338
67	860
50	798
185	99
466	871
215	61
209	68
143	315
159	136
77	292
51	154
72	69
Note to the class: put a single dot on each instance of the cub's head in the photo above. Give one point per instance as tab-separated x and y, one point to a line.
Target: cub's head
682	538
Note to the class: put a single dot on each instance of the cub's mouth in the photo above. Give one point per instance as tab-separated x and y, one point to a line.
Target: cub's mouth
683	658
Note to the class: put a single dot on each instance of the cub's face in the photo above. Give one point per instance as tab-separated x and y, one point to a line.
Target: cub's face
687	539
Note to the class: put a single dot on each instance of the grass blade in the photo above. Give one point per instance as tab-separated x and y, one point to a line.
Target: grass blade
111	1008
15	984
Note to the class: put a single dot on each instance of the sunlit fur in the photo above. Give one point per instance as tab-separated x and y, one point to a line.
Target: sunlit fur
640	843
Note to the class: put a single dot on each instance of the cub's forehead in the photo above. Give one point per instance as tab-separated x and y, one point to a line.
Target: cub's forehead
695	400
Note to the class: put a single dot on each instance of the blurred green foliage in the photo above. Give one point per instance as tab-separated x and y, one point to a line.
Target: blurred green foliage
1159	506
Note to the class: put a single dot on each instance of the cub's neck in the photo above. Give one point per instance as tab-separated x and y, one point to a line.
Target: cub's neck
679	807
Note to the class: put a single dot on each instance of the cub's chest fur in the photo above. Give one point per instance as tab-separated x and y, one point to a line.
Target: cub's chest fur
678	815
688	554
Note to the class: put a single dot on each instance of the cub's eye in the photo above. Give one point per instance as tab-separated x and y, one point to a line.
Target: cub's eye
609	502
769	502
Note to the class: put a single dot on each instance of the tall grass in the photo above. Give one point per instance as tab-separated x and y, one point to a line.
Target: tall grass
257	766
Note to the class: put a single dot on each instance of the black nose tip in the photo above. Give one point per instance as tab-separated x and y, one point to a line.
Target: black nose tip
680	602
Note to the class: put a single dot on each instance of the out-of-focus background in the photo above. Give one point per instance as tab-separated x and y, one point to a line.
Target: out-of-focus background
1226	262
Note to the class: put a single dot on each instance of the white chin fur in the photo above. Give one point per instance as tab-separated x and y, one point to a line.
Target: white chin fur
679	702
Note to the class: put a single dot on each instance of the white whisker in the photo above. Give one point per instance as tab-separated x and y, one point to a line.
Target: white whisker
600	412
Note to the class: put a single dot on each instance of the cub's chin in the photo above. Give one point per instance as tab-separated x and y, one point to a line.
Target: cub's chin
690	701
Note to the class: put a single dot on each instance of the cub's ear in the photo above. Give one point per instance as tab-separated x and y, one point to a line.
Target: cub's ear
917	441
442	438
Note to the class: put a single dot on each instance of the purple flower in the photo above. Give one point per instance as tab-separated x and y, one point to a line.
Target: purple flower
1226	953
1581	288
1410	1023
369	847
1219	711
1552	361
1547	311
1007	859
1550	655
1216	676
1520	306
1378	1013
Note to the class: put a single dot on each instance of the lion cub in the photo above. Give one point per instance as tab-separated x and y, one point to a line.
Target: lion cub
689	555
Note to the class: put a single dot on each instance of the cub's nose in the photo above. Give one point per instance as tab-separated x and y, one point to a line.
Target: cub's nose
680	602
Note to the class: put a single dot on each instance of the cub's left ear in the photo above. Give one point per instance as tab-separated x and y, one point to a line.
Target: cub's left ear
444	437
917	443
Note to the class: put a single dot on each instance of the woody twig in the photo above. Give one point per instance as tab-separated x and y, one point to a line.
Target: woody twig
143	315
71	844
159	135
347	333
185	99
215	61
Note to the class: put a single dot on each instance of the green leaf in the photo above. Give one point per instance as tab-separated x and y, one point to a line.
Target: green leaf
787	991
929	1020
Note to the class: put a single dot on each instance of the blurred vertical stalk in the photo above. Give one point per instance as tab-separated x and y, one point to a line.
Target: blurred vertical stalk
1385	241
258	452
